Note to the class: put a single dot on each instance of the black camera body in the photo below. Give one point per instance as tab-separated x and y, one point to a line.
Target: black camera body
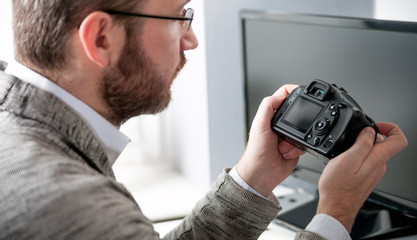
321	119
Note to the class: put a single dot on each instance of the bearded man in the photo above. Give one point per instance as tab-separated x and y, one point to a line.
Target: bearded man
83	68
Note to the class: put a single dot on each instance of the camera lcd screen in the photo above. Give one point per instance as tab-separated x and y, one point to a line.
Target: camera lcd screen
302	114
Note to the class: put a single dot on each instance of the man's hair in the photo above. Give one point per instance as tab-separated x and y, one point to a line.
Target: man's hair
42	27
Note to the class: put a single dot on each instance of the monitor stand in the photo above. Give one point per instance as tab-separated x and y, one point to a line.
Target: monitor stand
374	221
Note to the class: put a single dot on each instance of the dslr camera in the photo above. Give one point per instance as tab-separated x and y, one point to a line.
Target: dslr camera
321	119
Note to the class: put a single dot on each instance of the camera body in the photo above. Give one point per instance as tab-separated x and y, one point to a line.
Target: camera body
321	119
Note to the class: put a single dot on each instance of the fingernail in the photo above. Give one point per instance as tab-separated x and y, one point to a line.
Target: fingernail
380	138
370	131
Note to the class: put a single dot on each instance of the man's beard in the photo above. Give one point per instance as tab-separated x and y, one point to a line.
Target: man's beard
135	86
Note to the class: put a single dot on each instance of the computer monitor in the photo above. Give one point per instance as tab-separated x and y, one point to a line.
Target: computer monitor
374	60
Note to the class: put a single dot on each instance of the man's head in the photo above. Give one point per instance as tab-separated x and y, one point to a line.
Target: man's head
42	28
126	63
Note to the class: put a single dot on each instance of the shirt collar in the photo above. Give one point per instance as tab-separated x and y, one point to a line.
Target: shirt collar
112	139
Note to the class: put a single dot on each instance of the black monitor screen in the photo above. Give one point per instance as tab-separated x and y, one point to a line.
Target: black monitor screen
374	60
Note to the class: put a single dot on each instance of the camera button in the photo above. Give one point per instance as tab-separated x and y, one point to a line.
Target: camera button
316	141
322	124
334	113
332	107
309	136
328	143
342	105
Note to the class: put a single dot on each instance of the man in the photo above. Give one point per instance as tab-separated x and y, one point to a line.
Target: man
83	68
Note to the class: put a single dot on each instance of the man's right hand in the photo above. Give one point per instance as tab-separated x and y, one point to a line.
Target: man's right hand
349	178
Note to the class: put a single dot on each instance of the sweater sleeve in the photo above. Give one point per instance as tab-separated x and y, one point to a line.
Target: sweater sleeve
227	212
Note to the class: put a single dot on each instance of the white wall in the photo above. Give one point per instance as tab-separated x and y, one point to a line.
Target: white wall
188	110
404	10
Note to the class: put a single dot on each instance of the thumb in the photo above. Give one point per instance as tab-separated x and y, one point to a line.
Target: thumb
275	100
266	110
355	155
269	105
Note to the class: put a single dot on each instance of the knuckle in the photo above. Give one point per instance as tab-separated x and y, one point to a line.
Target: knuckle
362	147
366	144
404	143
266	99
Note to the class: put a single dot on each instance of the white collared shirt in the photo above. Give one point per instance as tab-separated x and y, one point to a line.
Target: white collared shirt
112	139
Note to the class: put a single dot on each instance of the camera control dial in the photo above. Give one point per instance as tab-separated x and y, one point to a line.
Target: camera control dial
321	126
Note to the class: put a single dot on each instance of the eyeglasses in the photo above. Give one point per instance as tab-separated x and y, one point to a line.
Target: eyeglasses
187	13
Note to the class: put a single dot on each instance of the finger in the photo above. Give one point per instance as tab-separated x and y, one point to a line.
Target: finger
266	112
270	104
288	88
383	151
285	90
379	138
353	158
394	142
385	128
282	93
293	153
284	147
288	150
267	108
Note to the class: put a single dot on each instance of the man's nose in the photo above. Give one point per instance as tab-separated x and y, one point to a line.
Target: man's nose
189	41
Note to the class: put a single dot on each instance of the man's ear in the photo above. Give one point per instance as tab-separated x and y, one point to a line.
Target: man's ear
96	38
